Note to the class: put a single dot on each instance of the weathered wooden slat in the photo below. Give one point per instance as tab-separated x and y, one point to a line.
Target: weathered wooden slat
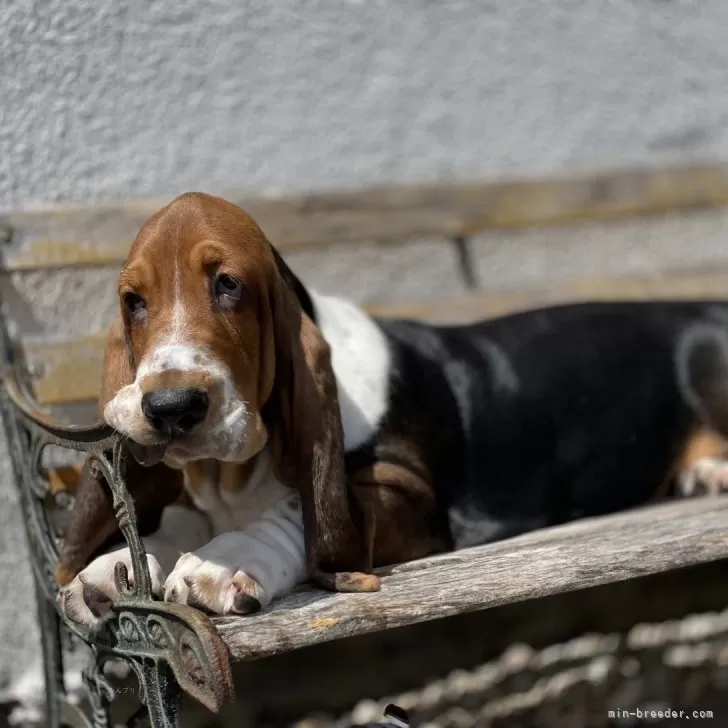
696	286
67	371
70	371
550	561
101	234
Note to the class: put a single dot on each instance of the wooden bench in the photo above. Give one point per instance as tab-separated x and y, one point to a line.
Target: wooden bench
169	646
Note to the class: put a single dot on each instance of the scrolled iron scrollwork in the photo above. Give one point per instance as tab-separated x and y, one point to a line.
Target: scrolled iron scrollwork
176	635
99	689
167	645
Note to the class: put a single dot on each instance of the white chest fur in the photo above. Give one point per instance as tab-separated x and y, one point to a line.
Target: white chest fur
229	509
361	361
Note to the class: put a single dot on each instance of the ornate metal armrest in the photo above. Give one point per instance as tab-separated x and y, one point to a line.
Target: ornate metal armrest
153	637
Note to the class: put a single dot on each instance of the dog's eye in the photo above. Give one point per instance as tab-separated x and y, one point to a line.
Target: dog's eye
135	304
228	290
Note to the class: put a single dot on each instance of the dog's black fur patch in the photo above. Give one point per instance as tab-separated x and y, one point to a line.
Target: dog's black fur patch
545	416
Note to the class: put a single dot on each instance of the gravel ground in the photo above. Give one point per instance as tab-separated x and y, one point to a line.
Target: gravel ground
592	681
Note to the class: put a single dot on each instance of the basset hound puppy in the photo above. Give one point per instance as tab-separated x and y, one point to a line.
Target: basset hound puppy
280	435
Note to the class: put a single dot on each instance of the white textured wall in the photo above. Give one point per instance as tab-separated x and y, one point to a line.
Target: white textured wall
114	98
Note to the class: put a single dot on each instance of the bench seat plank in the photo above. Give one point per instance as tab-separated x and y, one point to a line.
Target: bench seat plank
574	556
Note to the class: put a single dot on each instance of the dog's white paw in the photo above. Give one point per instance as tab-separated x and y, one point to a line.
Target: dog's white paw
229	575
705	476
91	594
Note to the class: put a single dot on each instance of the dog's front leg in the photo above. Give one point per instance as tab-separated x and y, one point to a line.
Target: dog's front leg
242	571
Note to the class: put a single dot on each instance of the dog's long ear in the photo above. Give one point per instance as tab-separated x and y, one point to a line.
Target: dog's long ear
304	421
118	368
93	524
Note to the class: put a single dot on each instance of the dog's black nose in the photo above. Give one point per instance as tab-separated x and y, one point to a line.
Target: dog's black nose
175	411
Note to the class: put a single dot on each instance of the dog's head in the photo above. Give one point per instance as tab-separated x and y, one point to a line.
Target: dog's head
200	335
